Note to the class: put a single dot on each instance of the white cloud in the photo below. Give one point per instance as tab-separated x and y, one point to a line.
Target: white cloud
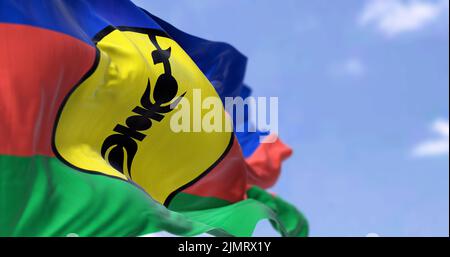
354	67
438	146
351	67
393	17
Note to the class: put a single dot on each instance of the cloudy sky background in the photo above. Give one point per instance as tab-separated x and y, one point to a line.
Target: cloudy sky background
363	91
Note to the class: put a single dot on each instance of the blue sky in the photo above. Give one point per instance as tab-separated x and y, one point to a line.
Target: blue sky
363	90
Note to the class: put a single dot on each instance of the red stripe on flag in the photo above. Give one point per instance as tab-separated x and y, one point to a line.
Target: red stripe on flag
230	179
227	181
265	163
38	68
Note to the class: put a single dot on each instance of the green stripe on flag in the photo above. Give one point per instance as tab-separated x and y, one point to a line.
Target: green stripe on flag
41	196
293	222
178	203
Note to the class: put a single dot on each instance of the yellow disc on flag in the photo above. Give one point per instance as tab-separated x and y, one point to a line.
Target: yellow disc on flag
117	121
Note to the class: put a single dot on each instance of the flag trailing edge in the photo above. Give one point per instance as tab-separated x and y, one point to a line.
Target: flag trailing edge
64	67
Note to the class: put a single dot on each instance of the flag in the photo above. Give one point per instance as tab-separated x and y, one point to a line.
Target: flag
88	91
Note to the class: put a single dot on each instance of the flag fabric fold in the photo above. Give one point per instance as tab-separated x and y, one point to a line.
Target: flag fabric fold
86	95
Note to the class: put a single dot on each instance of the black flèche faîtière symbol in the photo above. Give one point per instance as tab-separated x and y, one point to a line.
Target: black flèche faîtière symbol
124	143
